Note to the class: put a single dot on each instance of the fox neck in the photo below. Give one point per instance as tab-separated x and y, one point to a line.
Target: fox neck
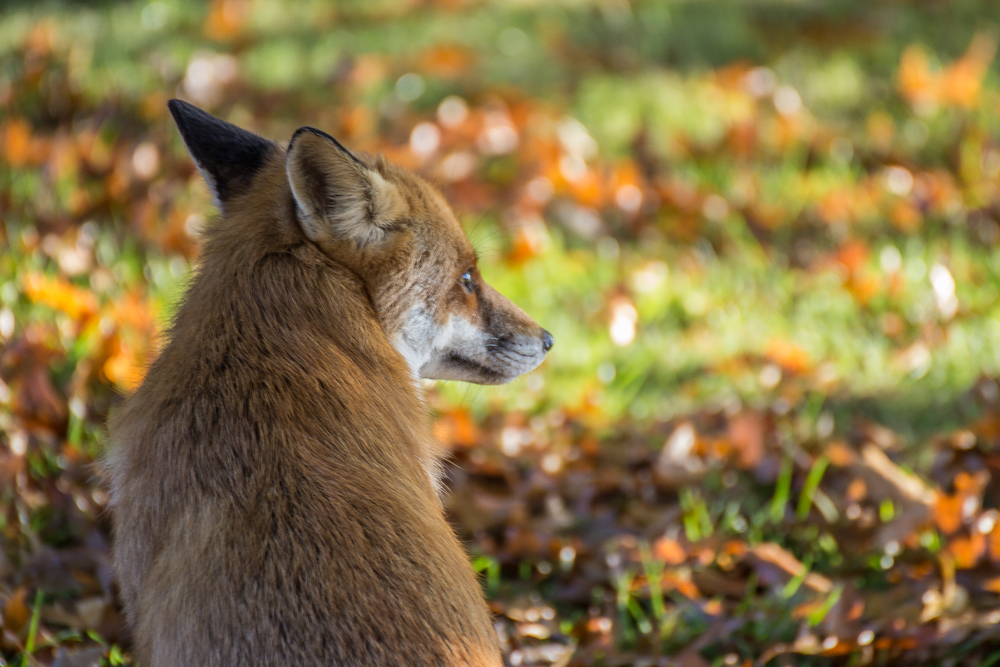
300	304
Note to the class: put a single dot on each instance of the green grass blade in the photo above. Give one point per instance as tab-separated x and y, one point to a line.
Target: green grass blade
816	617
36	616
654	571
782	490
809	490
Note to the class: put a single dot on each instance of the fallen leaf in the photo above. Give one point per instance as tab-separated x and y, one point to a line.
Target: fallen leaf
774	554
15	611
669	551
746	432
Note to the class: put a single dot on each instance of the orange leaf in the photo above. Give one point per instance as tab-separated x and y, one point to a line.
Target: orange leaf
530	240
682	584
788	355
124	369
853	256
962	81
959	84
840	454
134	311
968	550
735	548
836	206
17	142
967	484
669	551
59	294
446	60
456	428
904	216
947	513
863	287
857	490
994	543
917	83
225	19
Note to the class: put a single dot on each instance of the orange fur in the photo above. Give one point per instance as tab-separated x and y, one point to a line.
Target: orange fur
270	488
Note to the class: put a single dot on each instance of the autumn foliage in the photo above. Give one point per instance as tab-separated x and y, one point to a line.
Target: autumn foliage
769	432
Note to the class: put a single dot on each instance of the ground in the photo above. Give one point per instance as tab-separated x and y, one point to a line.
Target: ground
765	238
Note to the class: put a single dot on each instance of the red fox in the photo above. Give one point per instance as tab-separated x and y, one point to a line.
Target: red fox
274	477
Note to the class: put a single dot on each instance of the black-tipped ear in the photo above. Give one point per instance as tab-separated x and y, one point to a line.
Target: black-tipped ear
226	155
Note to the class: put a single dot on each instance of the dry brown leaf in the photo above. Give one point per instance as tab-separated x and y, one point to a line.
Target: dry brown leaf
908	484
840	454
775	554
15	611
746	431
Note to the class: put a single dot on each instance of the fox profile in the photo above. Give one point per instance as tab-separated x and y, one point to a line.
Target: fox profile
274	477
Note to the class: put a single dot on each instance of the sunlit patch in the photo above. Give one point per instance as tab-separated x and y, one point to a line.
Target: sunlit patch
715	208
629	198
499	136
452	111
146	160
425	139
650	276
623	321
410	86
944	291
6	322
572	168
787	101
458	166
208	75
575	139
540	189
898	181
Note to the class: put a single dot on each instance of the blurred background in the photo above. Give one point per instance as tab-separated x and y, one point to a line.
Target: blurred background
764	235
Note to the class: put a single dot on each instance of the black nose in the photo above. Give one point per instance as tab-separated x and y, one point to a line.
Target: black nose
547	340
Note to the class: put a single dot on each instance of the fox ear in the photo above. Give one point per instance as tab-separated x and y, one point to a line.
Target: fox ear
336	194
227	156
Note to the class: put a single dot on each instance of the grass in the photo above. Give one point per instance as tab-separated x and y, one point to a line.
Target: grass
764	236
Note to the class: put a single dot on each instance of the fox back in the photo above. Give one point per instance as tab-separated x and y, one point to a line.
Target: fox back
274	479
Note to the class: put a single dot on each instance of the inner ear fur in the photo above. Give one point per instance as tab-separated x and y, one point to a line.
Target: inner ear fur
338	197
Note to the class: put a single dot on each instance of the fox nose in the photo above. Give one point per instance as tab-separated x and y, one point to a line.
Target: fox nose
547	340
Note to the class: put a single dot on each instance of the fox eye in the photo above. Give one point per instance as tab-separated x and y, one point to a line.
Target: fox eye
467	281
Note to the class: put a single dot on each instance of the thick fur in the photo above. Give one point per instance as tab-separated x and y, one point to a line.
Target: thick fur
273	484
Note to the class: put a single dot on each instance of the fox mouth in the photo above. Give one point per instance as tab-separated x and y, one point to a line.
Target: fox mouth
482	373
501	363
463	351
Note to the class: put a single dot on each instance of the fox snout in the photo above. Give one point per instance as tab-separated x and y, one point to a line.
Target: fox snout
509	355
475	356
496	345
513	350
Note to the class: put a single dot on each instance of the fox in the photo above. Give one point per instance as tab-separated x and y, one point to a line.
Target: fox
275	488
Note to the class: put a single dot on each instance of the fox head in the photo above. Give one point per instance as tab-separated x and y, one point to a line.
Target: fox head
395	232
